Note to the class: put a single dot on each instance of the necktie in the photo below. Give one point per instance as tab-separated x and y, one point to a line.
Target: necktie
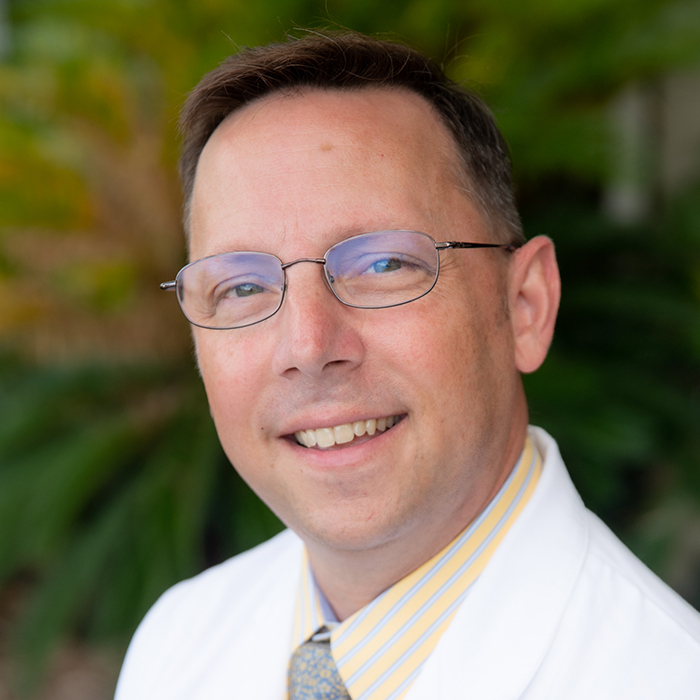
313	674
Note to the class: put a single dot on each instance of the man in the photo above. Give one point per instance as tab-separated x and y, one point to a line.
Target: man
363	304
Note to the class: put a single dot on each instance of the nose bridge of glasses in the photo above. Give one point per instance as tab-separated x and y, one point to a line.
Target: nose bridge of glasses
318	261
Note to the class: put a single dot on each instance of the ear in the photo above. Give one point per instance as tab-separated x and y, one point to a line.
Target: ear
533	298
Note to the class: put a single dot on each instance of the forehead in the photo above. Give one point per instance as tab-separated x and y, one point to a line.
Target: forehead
378	118
323	164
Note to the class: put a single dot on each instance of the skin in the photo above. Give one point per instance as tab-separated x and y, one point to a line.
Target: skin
292	175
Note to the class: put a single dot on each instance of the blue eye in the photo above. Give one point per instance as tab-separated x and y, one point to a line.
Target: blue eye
386	265
238	292
245	290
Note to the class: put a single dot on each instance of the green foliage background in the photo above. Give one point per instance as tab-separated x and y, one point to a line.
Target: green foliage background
112	483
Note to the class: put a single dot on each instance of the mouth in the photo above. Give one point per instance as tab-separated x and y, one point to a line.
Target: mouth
358	431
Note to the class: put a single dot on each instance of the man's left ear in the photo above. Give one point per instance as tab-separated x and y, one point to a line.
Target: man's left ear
533	298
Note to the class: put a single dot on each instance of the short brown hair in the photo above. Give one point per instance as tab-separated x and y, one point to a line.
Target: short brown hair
352	61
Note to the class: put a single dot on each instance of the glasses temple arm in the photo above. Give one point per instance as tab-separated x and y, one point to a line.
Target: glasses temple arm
460	244
168	286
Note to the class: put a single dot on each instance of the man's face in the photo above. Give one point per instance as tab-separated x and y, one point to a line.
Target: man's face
293	175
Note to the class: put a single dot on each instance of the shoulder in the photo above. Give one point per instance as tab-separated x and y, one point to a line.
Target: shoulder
197	620
623	632
620	631
608	567
621	575
229	583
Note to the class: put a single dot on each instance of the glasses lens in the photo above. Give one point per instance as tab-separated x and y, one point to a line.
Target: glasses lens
386	268
231	290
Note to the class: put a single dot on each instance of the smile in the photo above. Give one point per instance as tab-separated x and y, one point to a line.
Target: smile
342	434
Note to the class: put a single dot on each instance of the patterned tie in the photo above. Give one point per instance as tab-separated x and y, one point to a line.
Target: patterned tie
313	674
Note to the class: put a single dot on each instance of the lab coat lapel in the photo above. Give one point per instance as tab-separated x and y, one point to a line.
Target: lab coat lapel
263	655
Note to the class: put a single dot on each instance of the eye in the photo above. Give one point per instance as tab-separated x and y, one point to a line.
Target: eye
238	289
394	263
244	290
386	265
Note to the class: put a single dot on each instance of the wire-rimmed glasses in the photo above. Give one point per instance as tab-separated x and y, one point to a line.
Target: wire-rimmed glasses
374	270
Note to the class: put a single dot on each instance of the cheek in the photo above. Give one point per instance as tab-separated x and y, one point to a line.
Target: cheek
459	354
441	341
231	373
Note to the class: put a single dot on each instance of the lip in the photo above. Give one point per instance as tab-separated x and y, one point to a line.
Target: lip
329	420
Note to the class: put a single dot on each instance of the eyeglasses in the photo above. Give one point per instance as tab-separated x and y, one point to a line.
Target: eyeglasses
371	271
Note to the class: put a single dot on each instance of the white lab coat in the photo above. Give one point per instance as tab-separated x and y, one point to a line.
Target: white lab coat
562	610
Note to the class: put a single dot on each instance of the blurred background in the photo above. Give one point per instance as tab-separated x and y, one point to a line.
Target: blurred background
112	483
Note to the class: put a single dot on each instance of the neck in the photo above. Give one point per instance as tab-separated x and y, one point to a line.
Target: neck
352	579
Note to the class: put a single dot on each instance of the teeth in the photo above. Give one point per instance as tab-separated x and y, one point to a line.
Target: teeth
341	434
359	427
325	437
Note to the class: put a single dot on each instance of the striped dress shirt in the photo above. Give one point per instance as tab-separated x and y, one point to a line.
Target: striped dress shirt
380	649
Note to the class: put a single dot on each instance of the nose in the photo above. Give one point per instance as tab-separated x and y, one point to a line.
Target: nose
317	334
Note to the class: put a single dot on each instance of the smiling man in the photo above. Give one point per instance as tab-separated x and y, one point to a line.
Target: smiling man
363	304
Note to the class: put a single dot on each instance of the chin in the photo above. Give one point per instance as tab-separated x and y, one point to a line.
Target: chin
355	530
